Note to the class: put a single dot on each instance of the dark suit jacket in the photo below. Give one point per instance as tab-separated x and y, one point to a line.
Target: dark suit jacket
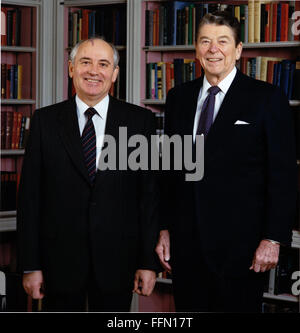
66	226
248	192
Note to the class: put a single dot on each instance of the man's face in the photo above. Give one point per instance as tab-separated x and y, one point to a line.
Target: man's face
93	71
216	51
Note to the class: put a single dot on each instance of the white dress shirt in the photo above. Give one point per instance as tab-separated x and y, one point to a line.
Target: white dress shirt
99	121
224	86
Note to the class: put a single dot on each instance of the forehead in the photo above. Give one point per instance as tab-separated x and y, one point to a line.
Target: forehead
97	49
214	30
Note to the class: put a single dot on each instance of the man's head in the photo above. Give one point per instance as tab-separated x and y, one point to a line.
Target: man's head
93	66
218	45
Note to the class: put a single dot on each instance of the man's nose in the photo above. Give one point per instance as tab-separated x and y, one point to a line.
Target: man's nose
93	69
213	47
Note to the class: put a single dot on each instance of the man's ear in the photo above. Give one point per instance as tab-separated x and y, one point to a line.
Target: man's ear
71	69
239	49
115	74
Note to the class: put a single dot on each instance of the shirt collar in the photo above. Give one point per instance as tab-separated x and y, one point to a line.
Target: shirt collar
100	107
224	84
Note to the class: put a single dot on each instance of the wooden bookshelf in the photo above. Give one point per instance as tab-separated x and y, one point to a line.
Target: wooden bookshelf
23	51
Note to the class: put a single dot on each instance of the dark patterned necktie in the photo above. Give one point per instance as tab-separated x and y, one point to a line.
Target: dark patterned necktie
207	113
88	140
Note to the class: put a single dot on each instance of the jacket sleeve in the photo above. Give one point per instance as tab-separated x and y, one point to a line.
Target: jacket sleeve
149	198
29	196
281	169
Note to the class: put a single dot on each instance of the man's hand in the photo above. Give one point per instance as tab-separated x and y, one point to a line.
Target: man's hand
32	283
144	282
265	257
163	249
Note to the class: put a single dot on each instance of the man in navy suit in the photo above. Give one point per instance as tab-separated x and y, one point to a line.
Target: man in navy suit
221	234
84	233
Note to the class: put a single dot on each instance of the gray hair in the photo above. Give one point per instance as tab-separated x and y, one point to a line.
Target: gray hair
75	48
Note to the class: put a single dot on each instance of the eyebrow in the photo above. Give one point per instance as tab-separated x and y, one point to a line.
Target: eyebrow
87	58
224	36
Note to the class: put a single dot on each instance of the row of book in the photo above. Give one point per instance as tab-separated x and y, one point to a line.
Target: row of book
162	76
108	22
280	278
13	18
176	22
14	130
280	72
16	26
11	81
9	186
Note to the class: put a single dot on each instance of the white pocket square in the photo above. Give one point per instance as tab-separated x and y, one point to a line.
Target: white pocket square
241	122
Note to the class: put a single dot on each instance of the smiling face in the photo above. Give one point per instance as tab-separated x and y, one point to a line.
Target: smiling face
217	51
93	71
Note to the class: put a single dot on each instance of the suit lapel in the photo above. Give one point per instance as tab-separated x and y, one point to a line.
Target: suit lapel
70	135
227	114
190	100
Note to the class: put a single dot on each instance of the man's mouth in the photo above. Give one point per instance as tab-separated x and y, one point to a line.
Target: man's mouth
93	80
213	59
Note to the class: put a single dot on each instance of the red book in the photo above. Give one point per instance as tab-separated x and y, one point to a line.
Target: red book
274	21
85	23
8	129
267	27
168	77
14	130
244	65
198	69
3	129
284	22
18	129
270	71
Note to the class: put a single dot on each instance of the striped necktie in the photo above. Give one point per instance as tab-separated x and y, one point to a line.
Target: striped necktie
207	113
88	140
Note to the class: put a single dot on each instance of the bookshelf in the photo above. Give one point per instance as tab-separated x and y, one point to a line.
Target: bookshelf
157	46
19	87
21	59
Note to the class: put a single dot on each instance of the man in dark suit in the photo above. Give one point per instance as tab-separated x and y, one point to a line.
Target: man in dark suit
86	234
220	234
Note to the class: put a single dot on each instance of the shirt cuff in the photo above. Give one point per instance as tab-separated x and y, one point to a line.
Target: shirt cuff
272	241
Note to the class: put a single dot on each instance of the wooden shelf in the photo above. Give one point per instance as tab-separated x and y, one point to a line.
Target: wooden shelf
188	48
8	224
118	47
153	101
12	152
18	101
76	3
21	49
